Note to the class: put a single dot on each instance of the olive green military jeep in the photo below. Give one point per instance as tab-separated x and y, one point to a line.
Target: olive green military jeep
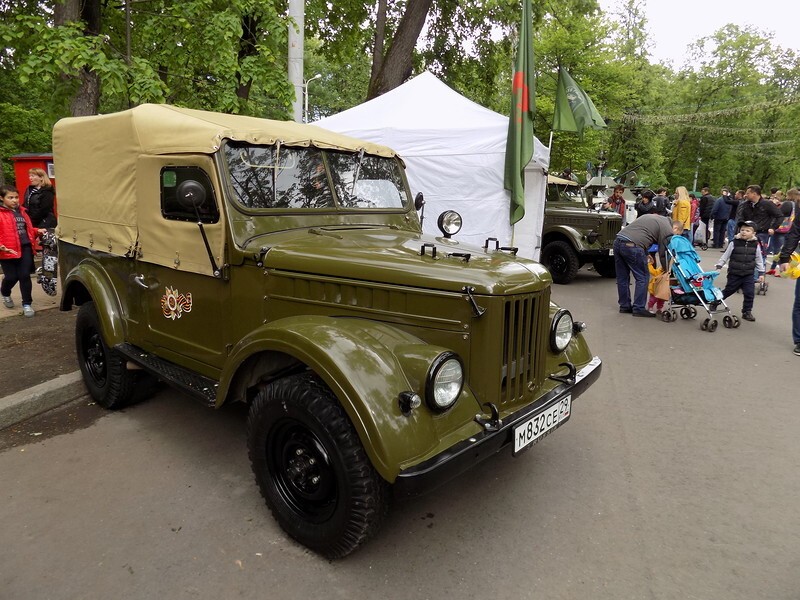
574	233
283	266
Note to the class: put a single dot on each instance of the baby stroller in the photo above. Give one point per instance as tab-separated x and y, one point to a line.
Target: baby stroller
694	287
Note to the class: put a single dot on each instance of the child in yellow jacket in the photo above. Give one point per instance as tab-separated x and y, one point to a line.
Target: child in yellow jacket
654	304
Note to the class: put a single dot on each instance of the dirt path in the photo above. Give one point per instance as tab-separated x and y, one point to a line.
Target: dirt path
36	350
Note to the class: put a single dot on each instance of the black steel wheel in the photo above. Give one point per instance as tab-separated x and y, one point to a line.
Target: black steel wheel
727	322
666	317
674	315
104	370
605	267
712	326
736	321
704	324
692	312
561	260
311	468
685	313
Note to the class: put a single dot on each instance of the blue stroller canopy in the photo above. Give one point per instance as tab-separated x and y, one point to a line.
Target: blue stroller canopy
686	269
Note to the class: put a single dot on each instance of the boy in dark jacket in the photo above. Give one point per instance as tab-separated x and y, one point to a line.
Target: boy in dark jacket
745	257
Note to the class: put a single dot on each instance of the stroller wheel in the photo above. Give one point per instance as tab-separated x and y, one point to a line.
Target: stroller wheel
712	327
684	313
666	316
692	312
674	315
736	322
703	246
704	325
727	322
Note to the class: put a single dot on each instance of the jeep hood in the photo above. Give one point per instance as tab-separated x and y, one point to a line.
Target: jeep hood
391	256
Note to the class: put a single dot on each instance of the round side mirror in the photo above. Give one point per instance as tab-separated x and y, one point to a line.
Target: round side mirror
419	201
190	194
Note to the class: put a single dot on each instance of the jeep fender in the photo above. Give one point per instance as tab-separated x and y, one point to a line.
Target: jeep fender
567	234
90	276
367	365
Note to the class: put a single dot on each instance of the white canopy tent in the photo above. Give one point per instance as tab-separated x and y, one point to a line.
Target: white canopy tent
454	150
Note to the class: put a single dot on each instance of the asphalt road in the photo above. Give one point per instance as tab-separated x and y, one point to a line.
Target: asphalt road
676	477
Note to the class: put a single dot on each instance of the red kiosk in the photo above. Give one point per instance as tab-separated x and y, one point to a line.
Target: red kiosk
25	162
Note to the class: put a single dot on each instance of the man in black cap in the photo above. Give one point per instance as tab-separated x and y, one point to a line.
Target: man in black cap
745	258
630	257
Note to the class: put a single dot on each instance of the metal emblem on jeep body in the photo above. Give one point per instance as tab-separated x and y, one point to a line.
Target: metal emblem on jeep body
174	304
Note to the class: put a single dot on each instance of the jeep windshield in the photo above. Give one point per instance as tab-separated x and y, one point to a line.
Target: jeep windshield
277	177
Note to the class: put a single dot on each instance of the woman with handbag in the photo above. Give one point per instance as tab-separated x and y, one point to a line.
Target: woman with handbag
787	208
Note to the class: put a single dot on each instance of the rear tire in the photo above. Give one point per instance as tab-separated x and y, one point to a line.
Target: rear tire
311	468
561	260
104	370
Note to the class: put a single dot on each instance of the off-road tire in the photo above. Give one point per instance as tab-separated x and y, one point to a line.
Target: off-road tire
605	267
104	370
297	431
561	260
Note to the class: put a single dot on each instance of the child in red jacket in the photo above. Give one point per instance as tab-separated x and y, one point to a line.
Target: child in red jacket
17	235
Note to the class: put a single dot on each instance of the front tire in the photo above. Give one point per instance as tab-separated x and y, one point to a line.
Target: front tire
104	370
561	260
311	468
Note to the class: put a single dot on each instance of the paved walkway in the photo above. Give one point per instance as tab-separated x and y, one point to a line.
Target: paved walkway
41	301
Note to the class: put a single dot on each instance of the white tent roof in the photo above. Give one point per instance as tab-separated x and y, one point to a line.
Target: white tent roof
454	150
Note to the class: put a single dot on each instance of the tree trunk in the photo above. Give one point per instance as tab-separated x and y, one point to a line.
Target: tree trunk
247	47
396	66
87	98
86	101
380	35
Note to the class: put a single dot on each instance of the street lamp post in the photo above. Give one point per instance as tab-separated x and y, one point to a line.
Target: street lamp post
305	94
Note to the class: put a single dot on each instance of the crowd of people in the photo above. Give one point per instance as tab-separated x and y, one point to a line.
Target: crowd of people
745	226
21	223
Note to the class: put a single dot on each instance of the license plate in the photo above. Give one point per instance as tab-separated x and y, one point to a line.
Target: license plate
533	429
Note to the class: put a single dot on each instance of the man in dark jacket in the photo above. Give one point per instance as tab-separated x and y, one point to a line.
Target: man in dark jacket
661	202
766	216
630	257
705	205
719	217
789	246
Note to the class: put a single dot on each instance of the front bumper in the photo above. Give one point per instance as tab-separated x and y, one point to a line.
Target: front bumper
468	453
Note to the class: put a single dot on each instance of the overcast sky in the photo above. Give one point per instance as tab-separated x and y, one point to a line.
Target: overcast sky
674	24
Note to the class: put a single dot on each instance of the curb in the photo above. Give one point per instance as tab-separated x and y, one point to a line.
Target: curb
40	398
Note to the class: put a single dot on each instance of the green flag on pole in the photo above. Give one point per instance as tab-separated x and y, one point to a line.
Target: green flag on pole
519	145
574	109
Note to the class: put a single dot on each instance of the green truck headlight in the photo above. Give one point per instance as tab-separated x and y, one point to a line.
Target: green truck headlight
561	330
444	382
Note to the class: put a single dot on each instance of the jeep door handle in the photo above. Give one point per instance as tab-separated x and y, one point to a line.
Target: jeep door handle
139	280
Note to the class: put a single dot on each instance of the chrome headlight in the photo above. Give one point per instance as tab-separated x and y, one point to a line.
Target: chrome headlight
449	223
444	382
561	330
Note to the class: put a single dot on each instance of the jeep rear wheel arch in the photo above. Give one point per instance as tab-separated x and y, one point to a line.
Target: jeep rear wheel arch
87	282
